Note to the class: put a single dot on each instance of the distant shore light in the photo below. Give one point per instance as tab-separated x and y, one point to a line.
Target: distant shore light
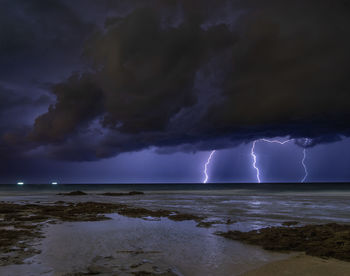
54	183
20	183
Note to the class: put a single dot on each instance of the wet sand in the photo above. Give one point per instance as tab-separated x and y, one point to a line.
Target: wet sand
303	265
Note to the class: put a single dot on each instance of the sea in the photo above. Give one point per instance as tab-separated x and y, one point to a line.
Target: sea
252	205
234	187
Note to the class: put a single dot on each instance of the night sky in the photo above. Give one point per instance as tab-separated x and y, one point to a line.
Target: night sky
124	91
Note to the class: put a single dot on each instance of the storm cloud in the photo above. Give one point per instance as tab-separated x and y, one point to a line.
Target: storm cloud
197	75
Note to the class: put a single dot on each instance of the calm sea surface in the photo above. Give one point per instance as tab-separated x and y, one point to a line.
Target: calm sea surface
233	188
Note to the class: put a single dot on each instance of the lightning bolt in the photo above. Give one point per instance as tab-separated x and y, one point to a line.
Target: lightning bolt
254	157
304	165
252	153
307	143
206	178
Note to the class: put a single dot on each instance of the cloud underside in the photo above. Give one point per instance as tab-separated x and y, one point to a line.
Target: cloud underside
199	75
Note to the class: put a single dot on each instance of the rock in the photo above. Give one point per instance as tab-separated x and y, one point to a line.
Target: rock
207	224
97	269
124	194
75	193
290	223
182	217
325	241
230	221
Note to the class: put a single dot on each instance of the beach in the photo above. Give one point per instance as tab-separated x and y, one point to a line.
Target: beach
159	232
303	265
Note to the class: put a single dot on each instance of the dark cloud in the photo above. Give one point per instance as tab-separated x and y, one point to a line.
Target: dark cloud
40	40
289	73
9	99
78	101
195	75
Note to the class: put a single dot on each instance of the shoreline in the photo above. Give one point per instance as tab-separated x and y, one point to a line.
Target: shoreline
107	231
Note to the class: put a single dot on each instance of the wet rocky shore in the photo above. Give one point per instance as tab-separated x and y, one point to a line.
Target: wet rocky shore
326	241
